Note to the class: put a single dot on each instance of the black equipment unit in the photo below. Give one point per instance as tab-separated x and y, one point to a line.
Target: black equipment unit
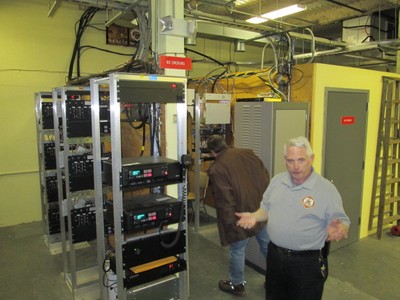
83	222
51	188
152	91
256	99
80	172
53	215
146	211
152	248
136	278
78	114
49	156
145	172
105	126
47	115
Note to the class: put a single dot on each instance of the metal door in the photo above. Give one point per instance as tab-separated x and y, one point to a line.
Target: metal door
344	151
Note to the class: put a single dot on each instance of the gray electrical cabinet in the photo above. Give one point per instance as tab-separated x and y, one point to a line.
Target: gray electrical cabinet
264	127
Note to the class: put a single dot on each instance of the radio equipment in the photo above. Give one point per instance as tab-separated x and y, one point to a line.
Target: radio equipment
153	270
146	211
145	172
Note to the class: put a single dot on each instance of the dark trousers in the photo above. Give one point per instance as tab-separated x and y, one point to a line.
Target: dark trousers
295	275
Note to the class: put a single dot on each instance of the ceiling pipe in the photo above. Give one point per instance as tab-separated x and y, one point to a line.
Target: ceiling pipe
225	27
349	49
348	6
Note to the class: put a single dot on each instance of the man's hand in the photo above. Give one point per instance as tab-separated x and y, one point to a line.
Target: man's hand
337	231
247	220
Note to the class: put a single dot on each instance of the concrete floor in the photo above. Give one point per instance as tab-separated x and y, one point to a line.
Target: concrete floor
365	270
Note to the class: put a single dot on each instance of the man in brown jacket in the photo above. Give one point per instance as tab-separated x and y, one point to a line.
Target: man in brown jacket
238	181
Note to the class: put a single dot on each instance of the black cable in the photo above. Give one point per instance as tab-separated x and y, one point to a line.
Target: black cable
216	79
80	27
206	56
130	120
347	6
178	233
87	47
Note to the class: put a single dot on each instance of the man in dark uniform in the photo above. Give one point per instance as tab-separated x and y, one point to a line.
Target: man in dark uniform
238	180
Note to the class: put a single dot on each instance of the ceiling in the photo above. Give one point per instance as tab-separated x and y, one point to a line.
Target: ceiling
362	30
318	15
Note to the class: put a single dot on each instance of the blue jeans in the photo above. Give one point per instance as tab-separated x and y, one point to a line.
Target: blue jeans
237	254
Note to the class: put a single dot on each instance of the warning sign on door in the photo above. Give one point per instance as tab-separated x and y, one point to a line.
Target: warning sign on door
348	120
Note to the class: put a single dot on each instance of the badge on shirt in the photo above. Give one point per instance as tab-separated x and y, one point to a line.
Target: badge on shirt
308	202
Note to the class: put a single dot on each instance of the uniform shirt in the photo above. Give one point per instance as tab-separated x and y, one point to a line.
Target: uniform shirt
298	215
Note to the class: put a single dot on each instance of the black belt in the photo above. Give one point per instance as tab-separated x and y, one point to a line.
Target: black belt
289	252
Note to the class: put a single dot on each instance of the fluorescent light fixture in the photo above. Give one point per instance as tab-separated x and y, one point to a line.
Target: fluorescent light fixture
277	14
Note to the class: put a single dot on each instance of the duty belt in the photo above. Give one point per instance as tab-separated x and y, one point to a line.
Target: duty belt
290	252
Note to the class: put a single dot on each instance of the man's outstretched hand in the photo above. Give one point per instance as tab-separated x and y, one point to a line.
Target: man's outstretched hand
337	231
246	220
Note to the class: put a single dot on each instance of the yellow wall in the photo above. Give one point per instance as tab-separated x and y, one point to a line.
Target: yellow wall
34	56
329	76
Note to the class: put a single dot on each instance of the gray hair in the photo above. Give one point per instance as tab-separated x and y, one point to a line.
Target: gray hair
299	142
216	143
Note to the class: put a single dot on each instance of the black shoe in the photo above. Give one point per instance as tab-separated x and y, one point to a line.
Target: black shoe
228	287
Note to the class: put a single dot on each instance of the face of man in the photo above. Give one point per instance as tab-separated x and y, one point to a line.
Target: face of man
298	164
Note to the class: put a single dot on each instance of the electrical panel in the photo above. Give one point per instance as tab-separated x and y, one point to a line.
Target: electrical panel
264	127
217	108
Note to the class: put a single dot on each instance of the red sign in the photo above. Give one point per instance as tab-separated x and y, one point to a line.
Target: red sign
348	120
174	62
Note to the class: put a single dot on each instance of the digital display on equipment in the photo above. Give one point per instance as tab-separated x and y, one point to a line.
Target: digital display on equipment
135	173
144	217
140	217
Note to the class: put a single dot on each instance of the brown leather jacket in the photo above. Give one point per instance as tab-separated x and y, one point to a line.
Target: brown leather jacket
238	179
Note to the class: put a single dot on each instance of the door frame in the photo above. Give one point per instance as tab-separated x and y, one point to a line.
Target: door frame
337	245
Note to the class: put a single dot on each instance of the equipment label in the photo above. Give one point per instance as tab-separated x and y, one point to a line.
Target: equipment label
173	62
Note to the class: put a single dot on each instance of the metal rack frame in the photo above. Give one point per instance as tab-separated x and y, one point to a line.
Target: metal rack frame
79	275
178	281
45	135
